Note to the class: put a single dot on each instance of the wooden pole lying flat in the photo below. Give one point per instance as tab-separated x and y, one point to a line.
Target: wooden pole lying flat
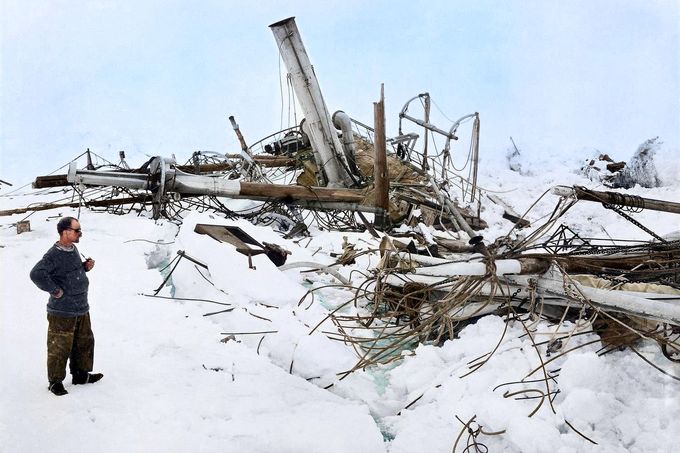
617	199
381	181
43	182
255	191
75	204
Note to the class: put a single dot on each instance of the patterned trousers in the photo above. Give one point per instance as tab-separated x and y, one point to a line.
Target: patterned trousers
69	339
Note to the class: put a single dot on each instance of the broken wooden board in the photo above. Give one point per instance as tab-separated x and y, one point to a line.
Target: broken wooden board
509	213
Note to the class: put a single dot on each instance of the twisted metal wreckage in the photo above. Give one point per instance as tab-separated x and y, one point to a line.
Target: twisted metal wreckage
331	169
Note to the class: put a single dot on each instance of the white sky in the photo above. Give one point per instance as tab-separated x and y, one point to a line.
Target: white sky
153	77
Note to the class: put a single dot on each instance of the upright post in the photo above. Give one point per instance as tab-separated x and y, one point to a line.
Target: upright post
426	165
241	140
381	181
90	166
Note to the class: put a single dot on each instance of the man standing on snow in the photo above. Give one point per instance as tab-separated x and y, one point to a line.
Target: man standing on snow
69	335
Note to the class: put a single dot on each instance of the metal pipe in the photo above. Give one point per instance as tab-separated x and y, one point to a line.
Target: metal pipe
452	132
320	126
342	121
422	123
429	126
106	178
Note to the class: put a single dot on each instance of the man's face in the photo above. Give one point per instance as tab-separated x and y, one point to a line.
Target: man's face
73	233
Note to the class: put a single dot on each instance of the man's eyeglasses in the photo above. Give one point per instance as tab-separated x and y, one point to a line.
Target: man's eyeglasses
77	230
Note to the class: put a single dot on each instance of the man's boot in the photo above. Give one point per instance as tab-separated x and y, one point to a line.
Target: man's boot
57	388
86	378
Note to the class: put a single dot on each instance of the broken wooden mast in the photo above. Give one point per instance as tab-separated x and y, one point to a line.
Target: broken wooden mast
382	184
163	178
318	122
616	199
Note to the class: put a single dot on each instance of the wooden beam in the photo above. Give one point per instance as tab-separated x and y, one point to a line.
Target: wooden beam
617	199
284	192
509	213
381	181
43	182
88	204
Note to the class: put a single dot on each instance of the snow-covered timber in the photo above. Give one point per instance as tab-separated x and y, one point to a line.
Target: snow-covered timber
656	307
509	213
641	305
437	267
547	281
318	121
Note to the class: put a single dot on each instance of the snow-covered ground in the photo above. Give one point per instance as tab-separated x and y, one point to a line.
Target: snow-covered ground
180	377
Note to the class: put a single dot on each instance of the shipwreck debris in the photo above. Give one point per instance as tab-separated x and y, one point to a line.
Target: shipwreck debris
639	170
329	154
244	243
23	226
617	198
329	170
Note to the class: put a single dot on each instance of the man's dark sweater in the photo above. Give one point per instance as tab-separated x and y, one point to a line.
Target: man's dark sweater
61	268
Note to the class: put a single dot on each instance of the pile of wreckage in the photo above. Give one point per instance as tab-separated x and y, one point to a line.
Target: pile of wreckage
332	170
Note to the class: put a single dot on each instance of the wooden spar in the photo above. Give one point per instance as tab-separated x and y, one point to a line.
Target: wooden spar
335	206
164	177
475	156
437	267
43	182
453	245
509	213
426	164
382	183
523	273
268	161
617	199
241	140
474	222
310	197
658	307
89	204
619	301
459	222
284	192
